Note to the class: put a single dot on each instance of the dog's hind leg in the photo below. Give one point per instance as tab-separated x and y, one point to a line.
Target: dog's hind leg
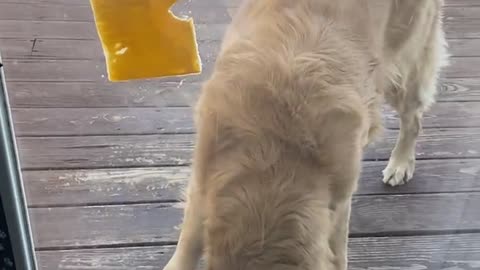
401	165
411	99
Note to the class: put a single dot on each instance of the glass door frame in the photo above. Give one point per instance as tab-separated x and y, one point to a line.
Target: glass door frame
11	187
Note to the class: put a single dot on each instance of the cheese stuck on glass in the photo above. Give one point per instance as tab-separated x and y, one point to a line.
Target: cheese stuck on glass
143	39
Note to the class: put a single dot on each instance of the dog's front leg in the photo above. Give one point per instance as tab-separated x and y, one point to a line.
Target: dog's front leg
190	243
339	235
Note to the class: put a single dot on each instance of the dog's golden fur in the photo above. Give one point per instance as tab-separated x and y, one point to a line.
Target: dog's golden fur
282	122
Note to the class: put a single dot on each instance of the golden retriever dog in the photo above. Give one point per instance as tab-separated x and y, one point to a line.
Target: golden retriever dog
282	123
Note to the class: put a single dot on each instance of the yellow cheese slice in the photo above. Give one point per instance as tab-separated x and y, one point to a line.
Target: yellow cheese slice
143	39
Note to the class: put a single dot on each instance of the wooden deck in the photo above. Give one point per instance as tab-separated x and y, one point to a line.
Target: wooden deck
104	163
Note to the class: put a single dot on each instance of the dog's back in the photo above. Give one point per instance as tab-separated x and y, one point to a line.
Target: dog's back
290	125
282	122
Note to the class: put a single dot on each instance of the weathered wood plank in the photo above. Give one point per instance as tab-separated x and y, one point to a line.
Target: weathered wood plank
205	3
44	12
463	67
53	29
134	185
149	258
433	144
464	47
53	3
105	151
130	121
451	114
34	122
434	176
16	48
104	225
95	70
55	70
460	252
59	49
459	89
65	49
83	30
68	12
128	94
211	31
156	94
51	49
130	224
461	13
462	3
163	150
462	28
105	186
74	70
415	213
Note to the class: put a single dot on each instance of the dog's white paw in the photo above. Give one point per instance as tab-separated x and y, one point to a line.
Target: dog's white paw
171	266
398	172
180	262
174	264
